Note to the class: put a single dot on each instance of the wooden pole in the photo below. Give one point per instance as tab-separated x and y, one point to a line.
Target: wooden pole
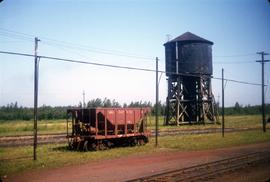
35	98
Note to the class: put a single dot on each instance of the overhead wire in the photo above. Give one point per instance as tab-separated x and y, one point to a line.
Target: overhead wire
123	67
15	32
235	55
14	35
69	45
71	49
234	62
11	41
28	37
76	61
101	51
58	43
237	81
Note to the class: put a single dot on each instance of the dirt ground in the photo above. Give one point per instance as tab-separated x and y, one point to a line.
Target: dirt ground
127	168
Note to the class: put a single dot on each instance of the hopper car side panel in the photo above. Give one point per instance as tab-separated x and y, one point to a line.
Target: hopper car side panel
107	126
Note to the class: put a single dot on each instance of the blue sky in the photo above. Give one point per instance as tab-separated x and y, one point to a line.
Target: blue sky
84	29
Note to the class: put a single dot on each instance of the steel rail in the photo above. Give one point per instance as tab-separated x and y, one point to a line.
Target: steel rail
23	140
208	170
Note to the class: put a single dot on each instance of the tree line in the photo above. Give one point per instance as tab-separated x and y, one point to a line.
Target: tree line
238	109
14	112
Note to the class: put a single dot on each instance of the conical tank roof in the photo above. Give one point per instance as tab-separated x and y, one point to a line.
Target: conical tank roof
189	38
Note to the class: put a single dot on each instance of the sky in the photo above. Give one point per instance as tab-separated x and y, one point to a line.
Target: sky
127	33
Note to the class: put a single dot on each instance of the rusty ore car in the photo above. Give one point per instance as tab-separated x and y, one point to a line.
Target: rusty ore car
102	128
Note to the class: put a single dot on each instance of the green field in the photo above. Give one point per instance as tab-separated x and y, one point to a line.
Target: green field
59	126
15	160
26	127
19	159
243	121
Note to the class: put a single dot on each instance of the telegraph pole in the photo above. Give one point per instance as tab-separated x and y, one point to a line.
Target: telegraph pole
178	84
263	108
83	99
35	96
157	101
223	122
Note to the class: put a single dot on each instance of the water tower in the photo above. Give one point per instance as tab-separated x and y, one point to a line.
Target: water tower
189	70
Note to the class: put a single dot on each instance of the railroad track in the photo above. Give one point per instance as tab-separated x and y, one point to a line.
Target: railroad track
209	171
171	132
22	140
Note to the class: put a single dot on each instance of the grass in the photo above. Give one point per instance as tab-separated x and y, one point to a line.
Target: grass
8	128
243	121
213	141
16	160
19	127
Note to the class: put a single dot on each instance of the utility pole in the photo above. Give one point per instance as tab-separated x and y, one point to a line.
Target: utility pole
157	101
35	96
83	99
223	122
178	84
263	107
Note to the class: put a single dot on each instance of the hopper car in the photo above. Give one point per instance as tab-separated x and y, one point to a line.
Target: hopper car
102	128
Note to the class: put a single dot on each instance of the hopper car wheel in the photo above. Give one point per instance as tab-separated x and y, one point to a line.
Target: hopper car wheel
141	141
80	145
73	145
145	140
70	145
134	142
102	145
94	146
86	146
109	144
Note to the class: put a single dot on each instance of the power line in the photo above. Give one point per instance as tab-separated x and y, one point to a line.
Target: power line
15	35
11	36
123	67
12	41
237	81
101	51
223	62
16	53
15	32
58	43
96	64
78	61
235	55
234	62
61	44
68	48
